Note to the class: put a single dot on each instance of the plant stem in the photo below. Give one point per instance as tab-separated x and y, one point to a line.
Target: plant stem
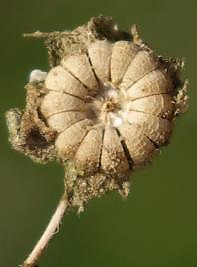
52	228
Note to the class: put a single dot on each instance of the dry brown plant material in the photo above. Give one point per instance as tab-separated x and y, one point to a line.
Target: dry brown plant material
104	108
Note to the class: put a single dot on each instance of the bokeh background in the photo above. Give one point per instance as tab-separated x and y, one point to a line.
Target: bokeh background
157	225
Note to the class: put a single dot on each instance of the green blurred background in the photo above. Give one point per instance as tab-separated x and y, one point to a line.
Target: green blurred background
157	225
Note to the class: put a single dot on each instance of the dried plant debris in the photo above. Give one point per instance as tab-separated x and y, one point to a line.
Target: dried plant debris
105	107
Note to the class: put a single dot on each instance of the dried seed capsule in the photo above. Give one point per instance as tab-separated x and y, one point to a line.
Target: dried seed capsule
132	99
111	104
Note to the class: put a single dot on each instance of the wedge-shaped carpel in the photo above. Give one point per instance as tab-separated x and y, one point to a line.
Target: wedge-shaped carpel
60	80
158	105
79	67
88	154
155	128
67	143
142	64
155	82
123	53
55	102
65	119
139	146
100	54
113	159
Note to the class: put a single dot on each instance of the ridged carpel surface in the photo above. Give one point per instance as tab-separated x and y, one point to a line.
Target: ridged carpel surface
158	105
89	151
142	64
139	146
69	140
79	67
59	79
113	156
55	102
100	54
123	53
155	128
154	83
63	120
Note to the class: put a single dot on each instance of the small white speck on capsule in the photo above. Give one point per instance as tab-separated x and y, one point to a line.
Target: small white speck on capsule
112	93
116	120
37	76
124	114
110	90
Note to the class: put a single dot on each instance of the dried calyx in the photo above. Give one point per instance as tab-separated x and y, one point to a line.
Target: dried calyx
105	107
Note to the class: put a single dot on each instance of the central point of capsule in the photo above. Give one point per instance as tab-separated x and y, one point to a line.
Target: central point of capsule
109	106
109	98
106	106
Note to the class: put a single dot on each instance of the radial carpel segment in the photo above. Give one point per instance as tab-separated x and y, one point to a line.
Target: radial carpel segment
55	102
62	120
99	54
142	64
80	67
61	80
123	52
139	146
113	157
88	153
155	128
159	105
154	83
69	140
